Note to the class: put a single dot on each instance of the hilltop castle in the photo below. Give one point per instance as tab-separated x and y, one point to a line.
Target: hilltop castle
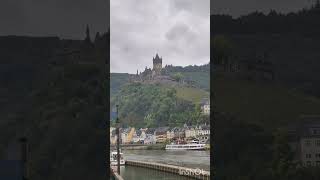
156	74
157	66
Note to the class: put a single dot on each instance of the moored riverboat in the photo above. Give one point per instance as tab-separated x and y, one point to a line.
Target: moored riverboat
191	146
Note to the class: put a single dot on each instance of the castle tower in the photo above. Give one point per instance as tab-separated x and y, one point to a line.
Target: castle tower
157	65
87	39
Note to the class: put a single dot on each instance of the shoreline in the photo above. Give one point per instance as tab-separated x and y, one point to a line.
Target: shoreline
150	147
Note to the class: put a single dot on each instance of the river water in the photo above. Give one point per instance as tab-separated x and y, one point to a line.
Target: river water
192	159
139	173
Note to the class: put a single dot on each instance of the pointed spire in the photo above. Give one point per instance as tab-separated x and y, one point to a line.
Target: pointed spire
87	34
97	37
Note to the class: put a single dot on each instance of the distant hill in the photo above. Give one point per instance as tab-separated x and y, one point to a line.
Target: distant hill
199	74
151	105
194	95
289	41
52	92
270	105
304	22
116	81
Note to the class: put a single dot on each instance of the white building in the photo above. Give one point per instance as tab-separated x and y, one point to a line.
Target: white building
205	106
124	136
190	132
150	139
304	139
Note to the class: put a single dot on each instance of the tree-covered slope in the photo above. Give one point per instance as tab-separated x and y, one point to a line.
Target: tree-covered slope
200	75
57	103
268	104
116	81
146	105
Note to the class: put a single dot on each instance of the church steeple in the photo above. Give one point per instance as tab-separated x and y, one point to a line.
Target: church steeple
88	39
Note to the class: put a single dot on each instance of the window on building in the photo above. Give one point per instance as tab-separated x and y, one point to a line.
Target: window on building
308	163
308	156
307	143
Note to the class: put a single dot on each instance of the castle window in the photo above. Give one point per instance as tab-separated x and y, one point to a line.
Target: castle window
307	143
308	163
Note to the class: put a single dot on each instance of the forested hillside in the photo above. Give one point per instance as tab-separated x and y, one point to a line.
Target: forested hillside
199	74
288	41
143	105
251	117
56	102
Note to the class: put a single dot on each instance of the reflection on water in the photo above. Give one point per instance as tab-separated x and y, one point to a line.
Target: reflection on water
138	173
192	159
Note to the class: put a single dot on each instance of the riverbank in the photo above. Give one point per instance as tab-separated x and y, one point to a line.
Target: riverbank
150	147
191	159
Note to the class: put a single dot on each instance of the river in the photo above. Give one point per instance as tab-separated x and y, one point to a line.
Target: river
192	159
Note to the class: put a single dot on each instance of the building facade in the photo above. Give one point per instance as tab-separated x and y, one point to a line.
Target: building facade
305	141
157	66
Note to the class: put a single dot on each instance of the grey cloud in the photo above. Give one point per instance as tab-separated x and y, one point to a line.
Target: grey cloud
179	31
64	18
175	31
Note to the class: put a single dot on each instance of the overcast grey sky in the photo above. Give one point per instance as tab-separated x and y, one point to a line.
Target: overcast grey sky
68	18
63	18
178	30
242	7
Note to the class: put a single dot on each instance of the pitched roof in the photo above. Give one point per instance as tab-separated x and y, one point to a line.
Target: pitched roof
150	130
205	101
309	126
138	132
157	59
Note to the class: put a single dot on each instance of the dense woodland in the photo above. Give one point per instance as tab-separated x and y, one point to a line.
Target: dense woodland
142	105
305	22
57	102
250	118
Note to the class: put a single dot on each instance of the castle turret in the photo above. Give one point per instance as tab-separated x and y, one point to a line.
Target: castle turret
88	39
157	65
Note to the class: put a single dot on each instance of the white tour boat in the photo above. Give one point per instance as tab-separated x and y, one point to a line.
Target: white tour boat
191	146
114	160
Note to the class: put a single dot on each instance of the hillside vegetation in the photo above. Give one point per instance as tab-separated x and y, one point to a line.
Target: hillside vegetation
251	139
117	80
153	105
57	103
145	105
200	75
269	104
194	95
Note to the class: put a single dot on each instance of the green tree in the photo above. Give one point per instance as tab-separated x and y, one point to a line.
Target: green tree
177	76
282	165
149	120
222	49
